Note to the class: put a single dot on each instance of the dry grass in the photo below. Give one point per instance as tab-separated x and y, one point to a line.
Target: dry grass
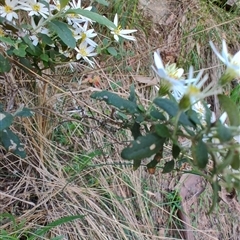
74	166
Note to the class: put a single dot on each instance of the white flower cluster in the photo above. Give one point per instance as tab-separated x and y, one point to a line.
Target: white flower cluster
81	26
191	91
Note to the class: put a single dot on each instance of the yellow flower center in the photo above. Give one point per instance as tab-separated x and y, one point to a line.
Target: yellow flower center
173	71
83	52
72	15
1	33
173	74
193	90
36	7
117	30
84	36
8	9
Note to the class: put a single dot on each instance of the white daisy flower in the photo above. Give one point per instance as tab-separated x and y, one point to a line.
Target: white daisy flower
118	31
7	11
172	76
232	62
194	90
86	34
56	5
76	19
38	29
84	51
34	8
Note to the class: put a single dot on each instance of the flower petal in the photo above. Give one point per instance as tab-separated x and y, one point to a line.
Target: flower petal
158	60
127	31
115	21
216	52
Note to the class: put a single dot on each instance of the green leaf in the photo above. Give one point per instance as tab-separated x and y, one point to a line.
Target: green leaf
94	16
45	39
224	133
8	41
105	42
56	223
23	112
236	161
157	158
112	51
103	2
216	189
172	109
21	50
208	114
63	32
162	130
167	105
194	116
168	166
28	42
200	154
228	160
136	163
156	114
26	62
44	57
63	3
11	143
135	129
231	109
175	151
6	120
4	64
115	85
116	101
132	96
143	147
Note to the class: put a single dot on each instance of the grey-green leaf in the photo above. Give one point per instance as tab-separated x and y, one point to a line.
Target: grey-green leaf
112	51
162	130
103	2
172	109
63	3
155	113
143	147
116	101
236	161
24	112
224	133
168	167
200	154
231	108
6	120
12	143
175	150
63	32
4	64
92	15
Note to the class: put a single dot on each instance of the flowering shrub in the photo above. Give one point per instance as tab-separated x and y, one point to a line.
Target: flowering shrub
52	32
179	112
42	34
